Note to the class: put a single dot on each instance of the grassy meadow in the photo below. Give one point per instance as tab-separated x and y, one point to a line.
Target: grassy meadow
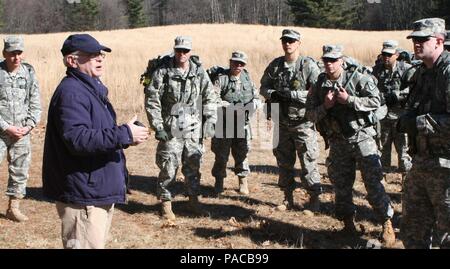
213	43
234	221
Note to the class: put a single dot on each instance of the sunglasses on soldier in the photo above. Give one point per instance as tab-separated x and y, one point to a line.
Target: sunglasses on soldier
184	51
329	60
287	40
238	63
421	39
385	54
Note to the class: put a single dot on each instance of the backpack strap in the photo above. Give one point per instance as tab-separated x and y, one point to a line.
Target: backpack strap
300	63
29	79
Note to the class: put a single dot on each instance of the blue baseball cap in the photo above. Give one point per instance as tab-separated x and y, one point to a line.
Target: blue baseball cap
82	42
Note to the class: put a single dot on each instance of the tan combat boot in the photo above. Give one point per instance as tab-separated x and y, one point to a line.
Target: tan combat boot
388	234
243	186
166	210
13	212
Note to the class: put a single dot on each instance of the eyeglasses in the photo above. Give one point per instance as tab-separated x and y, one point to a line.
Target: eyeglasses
329	60
288	40
421	39
184	51
385	54
91	56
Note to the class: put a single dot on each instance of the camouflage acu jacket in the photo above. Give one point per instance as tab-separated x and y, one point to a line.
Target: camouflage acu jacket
234	90
394	82
353	121
176	101
429	102
278	76
19	97
241	95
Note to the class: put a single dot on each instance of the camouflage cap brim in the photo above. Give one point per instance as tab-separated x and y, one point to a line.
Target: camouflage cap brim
182	47
428	27
14	48
291	36
333	55
238	60
390	51
420	34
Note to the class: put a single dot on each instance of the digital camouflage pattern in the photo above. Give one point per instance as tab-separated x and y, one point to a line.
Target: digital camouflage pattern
425	208
426	188
428	27
19	106
170	155
354	121
297	77
234	92
297	135
341	164
176	103
394	87
350	133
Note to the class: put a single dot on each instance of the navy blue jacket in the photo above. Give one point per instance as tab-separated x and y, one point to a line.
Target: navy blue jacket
83	161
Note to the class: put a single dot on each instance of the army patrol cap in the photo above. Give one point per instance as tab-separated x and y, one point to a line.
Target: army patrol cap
428	28
183	42
13	43
289	33
390	46
447	40
333	51
239	56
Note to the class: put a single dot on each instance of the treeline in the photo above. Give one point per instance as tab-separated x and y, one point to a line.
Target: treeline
367	14
43	16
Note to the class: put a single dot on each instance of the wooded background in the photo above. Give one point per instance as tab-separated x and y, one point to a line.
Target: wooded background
44	16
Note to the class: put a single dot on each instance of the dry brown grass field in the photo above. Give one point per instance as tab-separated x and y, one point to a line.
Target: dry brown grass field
234	221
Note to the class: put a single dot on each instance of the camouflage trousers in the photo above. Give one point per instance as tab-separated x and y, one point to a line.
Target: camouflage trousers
301	142
389	136
170	155
239	148
342	172
426	206
19	158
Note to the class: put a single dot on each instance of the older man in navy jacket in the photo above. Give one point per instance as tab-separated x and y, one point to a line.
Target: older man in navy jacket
84	164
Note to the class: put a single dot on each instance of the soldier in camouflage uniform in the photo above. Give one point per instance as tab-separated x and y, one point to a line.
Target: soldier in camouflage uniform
447	42
286	81
342	103
178	92
390	74
20	111
238	94
426	190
